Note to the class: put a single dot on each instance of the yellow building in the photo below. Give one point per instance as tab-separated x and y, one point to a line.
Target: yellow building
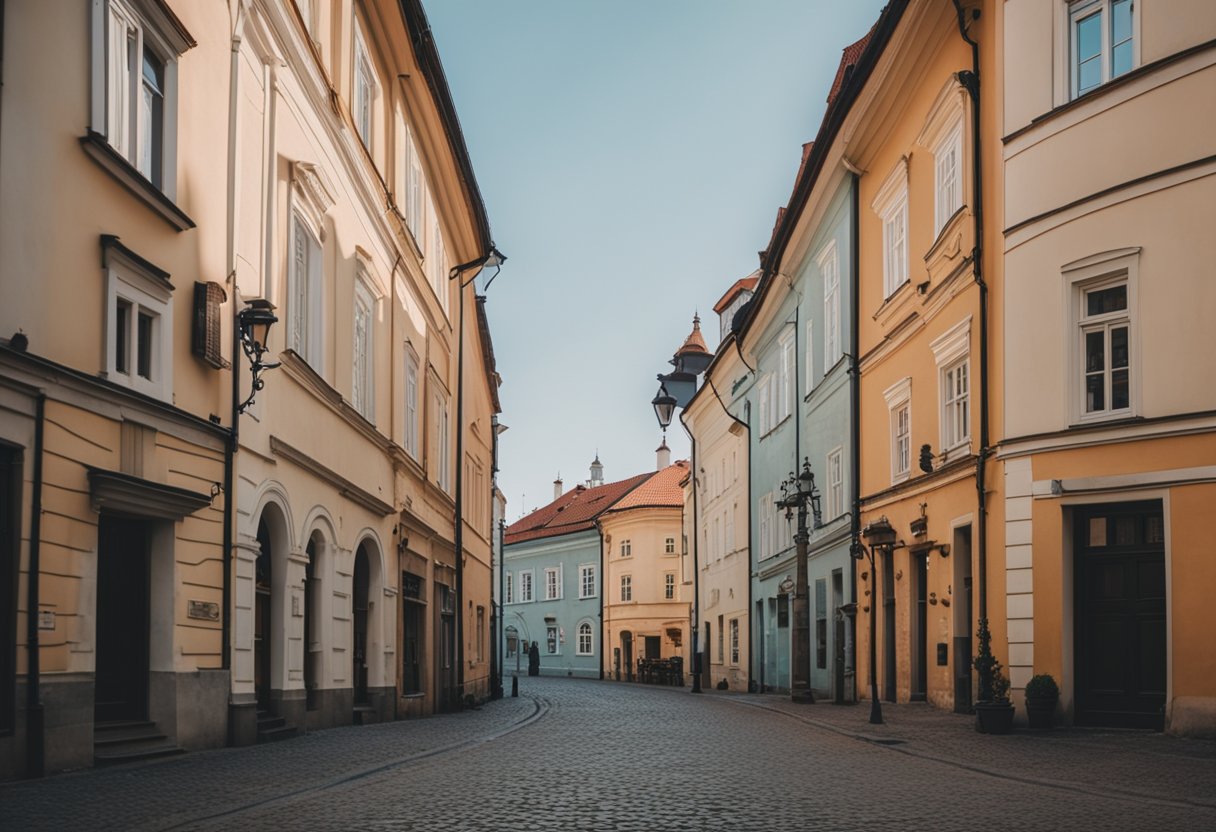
924	313
1109	438
646	604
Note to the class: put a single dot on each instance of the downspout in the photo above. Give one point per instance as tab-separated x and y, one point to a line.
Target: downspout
747	408
971	81
602	587
35	719
855	399
459	530
696	567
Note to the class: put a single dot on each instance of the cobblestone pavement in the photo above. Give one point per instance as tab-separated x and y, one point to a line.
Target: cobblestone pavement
582	755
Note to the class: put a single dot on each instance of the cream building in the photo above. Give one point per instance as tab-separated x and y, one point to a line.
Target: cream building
646	605
1109	438
197	156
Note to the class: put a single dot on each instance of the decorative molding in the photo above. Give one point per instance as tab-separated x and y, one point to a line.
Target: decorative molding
345	487
113	491
1050	489
952	344
313	194
898	393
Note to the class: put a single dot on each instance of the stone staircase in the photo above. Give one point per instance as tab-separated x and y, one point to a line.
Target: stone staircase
129	741
366	715
272	728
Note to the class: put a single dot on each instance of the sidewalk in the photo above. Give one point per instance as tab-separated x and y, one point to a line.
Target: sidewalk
1144	764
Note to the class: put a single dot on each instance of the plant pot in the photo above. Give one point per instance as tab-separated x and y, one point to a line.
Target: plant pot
994	717
1041	713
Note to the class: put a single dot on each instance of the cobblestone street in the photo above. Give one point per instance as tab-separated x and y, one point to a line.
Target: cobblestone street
572	755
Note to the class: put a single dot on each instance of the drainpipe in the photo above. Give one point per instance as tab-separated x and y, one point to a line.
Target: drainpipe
747	409
971	81
696	568
35	717
602	587
855	397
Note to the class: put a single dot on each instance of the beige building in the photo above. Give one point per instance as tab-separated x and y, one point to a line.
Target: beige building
1109	434
196	157
718	516
646	604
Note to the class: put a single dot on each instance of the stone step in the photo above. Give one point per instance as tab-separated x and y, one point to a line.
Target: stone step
282	732
121	754
366	715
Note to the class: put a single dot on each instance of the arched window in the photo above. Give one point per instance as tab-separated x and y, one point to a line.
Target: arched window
585	644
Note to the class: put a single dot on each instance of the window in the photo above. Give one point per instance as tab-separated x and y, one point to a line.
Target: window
626	587
363	376
525	587
365	89
810	356
766	526
481	634
789	375
765	394
715	547
411	403
551	635
956	428
553	584
730	528
304	289
721	641
948	180
136	50
510	588
512	642
835	506
586	644
436	256
899	406
626	548
669	546
1102	43
1105	349
891	206
415	191
821	623
734	641
443	442
139	322
669	586
950	352
586	581
830	269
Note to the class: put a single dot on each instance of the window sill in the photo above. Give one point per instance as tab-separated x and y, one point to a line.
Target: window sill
893	304
97	148
957	452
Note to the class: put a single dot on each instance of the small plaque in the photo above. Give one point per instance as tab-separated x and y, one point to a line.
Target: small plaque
204	610
46	619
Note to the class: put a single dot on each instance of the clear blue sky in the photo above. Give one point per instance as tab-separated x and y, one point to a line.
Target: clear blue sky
632	155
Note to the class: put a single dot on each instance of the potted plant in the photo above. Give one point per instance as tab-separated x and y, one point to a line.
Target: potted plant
993	711
1042	693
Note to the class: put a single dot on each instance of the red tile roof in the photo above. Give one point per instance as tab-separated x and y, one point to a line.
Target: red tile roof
848	59
574	511
662	489
695	342
746	284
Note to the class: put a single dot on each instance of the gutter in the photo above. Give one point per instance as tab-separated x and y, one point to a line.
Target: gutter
35	719
971	81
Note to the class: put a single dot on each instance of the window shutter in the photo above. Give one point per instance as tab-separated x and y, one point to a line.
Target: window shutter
207	329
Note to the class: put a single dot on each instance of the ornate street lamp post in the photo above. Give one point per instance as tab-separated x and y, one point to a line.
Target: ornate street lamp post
253	325
879	537
799	493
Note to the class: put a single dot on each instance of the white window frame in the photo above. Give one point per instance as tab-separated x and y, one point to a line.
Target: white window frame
311	199
835	489
1079	10
891	206
948	180
626	589
899	398
765	395
527	586
118	109
734	642
553	583
669	546
788	379
586	576
510	588
365	89
585	632
1102	271
669	586
828	261
412	397
956	405
443	440
951	350
416	193
363	358
553	636
730	529
765	511
626	548
810	355
128	280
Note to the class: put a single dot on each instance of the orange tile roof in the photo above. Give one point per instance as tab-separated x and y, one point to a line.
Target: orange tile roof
695	342
743	284
848	59
574	511
662	489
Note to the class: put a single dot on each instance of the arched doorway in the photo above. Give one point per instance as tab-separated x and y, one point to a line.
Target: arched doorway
262	617
361	597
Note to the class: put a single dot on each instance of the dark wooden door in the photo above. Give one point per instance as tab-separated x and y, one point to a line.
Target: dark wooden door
261	619
10	544
888	628
361	610
1120	619
920	673
121	679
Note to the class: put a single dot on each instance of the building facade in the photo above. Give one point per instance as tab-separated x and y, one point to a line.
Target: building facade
1107	476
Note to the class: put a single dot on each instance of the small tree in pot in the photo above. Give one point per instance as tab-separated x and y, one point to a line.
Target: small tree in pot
1042	694
993	711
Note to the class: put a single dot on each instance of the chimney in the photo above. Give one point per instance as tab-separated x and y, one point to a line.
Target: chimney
557	488
663	456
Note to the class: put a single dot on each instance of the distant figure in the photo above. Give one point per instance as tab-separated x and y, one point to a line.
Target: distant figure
534	660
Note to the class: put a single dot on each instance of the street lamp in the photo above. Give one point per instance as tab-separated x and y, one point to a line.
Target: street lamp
253	326
491	259
664	407
880	537
798	493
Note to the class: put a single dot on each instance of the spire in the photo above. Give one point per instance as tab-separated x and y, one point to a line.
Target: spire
597	472
695	342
